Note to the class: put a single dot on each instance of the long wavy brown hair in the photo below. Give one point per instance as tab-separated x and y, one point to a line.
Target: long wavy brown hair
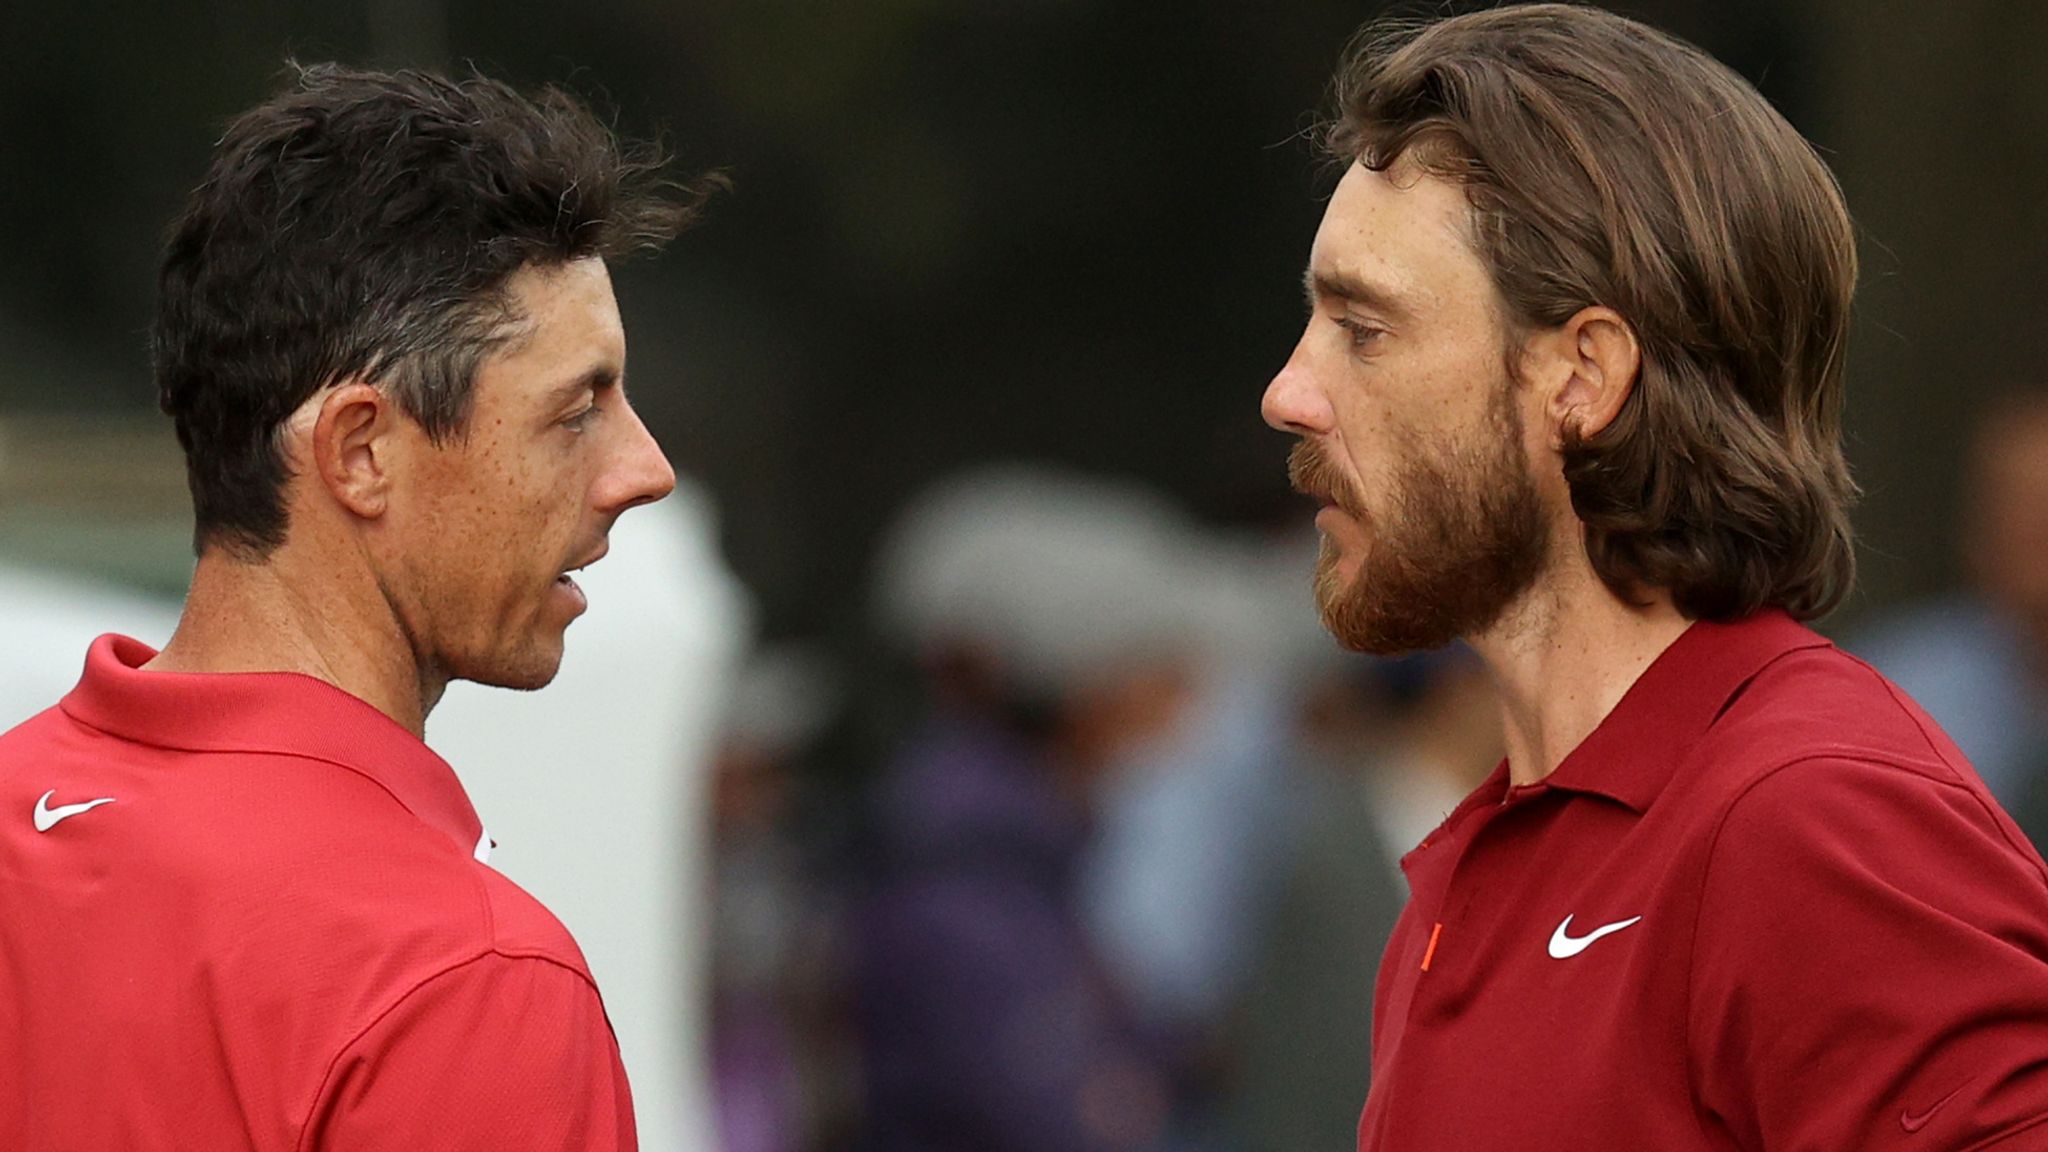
1608	163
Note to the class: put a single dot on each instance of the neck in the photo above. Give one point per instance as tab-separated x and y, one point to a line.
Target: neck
292	613
1561	660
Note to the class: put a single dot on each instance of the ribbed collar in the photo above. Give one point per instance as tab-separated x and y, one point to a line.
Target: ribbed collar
283	713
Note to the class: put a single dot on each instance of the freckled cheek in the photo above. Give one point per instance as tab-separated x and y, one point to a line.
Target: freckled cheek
1362	440
538	520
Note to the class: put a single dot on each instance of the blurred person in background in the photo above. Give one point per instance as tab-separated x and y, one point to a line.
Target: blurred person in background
247	905
1050	640
664	635
1570	390
1189	827
773	949
1386	750
1978	660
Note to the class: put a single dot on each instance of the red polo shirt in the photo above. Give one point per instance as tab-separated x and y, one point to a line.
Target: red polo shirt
1766	905
272	933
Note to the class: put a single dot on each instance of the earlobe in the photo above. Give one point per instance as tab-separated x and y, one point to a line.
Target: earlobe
1605	361
350	446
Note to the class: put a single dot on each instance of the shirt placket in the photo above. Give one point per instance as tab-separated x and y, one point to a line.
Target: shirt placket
1444	882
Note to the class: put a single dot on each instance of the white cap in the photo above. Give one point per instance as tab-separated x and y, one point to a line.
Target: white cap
1064	577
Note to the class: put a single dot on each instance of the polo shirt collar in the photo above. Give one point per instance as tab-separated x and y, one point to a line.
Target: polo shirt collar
280	713
1631	756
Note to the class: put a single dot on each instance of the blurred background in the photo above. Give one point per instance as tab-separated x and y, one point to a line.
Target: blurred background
1001	791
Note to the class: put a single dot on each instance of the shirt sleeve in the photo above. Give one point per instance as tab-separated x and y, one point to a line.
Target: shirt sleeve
1870	968
499	1052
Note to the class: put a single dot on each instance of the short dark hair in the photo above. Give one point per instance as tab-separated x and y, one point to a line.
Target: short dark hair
1608	163
365	224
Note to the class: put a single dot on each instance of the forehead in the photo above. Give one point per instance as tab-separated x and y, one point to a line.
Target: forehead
567	303
1405	234
567	327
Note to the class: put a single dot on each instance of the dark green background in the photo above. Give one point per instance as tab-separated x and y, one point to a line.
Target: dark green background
997	229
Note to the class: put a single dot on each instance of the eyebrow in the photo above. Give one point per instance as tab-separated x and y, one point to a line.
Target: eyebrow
1325	285
596	380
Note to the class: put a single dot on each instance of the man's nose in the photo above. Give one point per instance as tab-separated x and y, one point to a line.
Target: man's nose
1293	402
642	473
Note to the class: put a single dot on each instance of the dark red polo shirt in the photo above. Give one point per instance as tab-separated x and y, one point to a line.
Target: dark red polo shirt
1766	905
275	935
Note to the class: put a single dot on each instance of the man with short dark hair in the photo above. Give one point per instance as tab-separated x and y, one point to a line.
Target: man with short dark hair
246	905
1570	389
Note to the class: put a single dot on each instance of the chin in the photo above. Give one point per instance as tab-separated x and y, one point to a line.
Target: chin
1334	581
522	671
523	680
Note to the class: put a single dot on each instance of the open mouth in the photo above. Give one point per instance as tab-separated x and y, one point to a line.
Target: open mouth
567	579
566	584
569	573
1329	501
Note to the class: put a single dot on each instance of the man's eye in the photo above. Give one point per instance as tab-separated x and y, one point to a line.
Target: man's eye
581	420
1361	333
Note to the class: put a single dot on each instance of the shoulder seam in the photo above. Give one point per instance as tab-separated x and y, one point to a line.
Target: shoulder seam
1728	810
1692	943
1899	702
376	1018
1742	689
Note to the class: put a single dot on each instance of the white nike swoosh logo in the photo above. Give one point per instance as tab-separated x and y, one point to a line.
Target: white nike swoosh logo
1564	945
48	817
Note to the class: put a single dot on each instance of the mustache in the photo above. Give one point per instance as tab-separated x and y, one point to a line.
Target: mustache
1311	473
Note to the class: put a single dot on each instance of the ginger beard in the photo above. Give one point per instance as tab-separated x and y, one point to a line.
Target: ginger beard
1461	537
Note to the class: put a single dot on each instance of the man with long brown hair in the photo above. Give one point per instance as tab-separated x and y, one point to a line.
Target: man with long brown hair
1570	390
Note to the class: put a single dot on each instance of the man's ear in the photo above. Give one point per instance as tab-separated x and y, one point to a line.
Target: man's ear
1593	360
353	447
